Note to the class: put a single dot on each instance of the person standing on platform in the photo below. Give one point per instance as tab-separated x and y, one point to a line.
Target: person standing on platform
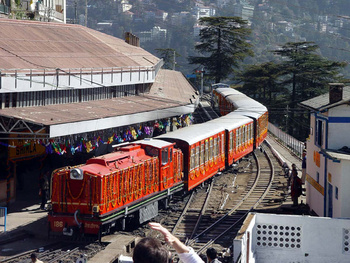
303	167
44	190
296	189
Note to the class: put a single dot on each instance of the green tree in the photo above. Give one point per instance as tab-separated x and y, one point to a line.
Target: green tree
222	46
261	81
306	74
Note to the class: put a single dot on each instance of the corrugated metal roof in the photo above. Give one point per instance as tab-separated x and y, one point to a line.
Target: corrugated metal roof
322	101
32	44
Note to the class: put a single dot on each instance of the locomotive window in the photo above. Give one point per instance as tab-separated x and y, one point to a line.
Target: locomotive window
151	151
202	154
197	156
165	156
192	158
206	150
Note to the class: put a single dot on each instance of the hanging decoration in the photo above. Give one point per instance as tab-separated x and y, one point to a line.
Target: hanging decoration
83	144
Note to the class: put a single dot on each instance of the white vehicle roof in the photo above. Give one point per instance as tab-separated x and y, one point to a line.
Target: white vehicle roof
194	133
232	120
240	101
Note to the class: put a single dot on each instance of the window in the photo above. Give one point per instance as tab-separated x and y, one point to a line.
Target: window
215	147
211	148
206	150
231	140
171	154
197	156
319	132
193	156
202	154
165	156
336	192
219	146
318	177
223	142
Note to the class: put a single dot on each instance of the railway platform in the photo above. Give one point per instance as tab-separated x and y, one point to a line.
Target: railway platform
288	157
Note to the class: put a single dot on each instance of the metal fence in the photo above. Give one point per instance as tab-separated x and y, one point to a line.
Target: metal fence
288	141
3	214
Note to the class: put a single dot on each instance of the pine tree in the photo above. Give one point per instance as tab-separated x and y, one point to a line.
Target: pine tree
222	46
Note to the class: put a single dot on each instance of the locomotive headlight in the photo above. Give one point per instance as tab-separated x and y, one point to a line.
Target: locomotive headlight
95	209
76	174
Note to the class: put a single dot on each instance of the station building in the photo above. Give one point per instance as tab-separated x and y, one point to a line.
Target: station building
328	153
68	93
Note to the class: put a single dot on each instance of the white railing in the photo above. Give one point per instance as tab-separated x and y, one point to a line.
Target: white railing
287	140
47	79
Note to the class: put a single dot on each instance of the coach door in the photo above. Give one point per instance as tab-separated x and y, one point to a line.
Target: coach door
166	168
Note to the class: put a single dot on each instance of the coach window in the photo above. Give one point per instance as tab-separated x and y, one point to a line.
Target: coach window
215	147
244	134
202	153
238	137
171	154
206	150
197	156
165	156
231	140
211	148
250	131
193	156
219	146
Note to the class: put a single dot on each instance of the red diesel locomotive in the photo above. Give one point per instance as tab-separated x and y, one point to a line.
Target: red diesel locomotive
137	177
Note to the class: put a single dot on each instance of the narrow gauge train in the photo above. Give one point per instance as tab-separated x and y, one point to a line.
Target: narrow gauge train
137	177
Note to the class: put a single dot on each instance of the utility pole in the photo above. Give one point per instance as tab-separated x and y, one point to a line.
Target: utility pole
86	13
174	60
75	12
287	118
202	71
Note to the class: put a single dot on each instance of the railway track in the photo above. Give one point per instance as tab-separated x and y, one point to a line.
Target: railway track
219	209
59	252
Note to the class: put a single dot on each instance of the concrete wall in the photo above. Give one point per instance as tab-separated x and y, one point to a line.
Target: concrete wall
287	238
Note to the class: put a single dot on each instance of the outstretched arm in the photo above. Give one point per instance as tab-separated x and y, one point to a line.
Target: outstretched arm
170	238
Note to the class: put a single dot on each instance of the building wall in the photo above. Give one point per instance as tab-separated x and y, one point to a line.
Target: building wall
339	120
314	184
343	189
324	172
334	169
